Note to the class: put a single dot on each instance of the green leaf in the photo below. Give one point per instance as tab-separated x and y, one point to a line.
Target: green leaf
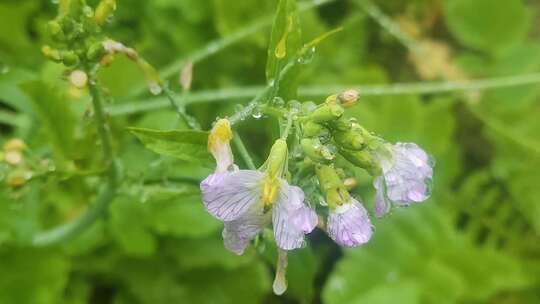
32	276
187	145
128	226
488	25
285	43
420	246
55	114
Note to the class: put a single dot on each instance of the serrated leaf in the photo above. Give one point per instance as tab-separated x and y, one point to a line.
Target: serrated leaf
285	43
187	145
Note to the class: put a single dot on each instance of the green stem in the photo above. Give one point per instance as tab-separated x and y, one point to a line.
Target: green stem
288	126
243	151
106	192
260	92
180	109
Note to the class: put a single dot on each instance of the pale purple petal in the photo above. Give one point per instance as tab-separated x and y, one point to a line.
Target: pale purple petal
407	172
349	225
238	233
382	205
229	196
291	218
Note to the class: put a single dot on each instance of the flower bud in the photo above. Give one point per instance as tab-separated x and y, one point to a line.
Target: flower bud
95	51
277	159
50	53
78	79
55	30
69	58
104	9
362	159
348	98
332	186
312	129
326	113
316	151
349	139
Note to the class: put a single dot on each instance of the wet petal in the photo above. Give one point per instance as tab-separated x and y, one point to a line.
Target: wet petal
349	225
238	233
382	205
407	173
229	196
291	218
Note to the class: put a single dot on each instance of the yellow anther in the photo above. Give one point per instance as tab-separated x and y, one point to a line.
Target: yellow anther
221	133
270	191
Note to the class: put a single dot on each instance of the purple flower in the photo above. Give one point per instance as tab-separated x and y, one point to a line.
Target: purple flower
349	225
242	200
406	175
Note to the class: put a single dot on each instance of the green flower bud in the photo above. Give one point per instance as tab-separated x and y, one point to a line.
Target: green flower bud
326	113
363	159
69	58
55	30
50	53
95	51
277	159
316	151
331	186
312	129
349	139
104	10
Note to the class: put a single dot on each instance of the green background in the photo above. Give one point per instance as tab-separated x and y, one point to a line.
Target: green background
476	240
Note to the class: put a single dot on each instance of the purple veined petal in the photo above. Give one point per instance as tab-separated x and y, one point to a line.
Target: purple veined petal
291	218
382	205
238	233
231	195
212	180
408	174
349	225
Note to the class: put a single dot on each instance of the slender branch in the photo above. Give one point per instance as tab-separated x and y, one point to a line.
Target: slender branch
243	151
180	109
106	192
316	91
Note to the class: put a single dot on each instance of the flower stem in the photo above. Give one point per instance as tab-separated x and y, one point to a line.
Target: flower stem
180	109
243	151
106	192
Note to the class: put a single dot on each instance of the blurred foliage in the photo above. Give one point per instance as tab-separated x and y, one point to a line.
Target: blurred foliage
477	240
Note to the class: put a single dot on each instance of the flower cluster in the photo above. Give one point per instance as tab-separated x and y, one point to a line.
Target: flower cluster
249	200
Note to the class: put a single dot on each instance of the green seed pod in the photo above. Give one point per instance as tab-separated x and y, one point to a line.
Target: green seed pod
362	159
326	113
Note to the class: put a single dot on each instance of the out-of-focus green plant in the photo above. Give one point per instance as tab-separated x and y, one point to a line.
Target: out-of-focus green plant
89	215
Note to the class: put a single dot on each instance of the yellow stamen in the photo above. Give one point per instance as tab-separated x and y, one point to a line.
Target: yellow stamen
270	191
221	133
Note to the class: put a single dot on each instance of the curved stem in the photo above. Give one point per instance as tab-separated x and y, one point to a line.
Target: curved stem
106	193
180	109
243	151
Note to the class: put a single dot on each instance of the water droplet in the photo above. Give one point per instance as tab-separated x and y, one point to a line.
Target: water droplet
278	102
257	113
155	88
307	57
